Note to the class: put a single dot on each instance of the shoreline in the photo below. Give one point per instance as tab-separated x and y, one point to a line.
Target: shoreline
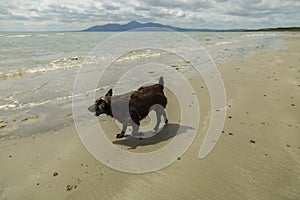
257	156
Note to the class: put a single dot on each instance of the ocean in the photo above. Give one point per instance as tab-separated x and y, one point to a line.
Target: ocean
38	70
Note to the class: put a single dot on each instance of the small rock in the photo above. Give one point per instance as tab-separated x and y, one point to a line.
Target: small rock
55	174
288	145
230	117
10	156
252	141
74	58
292	104
37	183
31	117
230	133
71	187
178	158
2	126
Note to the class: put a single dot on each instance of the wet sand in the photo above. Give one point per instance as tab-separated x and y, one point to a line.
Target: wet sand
256	157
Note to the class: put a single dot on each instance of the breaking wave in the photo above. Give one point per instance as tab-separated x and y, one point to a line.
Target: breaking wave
75	62
16	105
55	65
226	42
18	36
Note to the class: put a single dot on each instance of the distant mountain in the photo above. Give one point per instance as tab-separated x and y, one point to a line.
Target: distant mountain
134	25
157	27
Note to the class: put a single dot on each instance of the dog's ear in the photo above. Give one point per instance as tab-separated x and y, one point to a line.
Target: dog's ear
109	93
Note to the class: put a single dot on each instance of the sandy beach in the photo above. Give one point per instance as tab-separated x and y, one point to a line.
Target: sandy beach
256	157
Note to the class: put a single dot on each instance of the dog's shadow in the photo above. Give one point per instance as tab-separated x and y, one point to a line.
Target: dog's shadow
168	132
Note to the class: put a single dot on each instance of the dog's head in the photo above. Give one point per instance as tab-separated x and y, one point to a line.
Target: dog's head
102	105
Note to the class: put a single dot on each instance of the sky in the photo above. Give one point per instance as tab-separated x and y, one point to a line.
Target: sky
54	15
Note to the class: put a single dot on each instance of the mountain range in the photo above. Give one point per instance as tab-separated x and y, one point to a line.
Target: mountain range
135	25
158	27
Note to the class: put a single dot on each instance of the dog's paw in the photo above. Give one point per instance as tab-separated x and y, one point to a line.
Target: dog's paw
120	135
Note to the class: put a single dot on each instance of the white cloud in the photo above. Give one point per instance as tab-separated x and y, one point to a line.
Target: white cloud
80	14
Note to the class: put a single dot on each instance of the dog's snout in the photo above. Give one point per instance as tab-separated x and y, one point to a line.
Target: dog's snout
92	108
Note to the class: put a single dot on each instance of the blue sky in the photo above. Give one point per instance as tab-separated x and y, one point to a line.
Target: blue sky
46	15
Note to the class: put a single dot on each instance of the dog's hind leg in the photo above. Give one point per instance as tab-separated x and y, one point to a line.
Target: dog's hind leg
135	121
165	117
135	128
160	111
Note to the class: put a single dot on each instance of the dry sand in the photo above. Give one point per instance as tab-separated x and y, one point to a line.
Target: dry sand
256	157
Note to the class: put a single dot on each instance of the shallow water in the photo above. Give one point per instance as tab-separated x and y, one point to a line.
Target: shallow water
38	70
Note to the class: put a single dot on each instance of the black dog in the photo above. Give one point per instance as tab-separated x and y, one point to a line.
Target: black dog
132	107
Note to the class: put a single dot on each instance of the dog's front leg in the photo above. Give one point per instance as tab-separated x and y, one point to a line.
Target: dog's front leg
124	128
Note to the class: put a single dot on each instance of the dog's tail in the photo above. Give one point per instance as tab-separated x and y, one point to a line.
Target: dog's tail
161	82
